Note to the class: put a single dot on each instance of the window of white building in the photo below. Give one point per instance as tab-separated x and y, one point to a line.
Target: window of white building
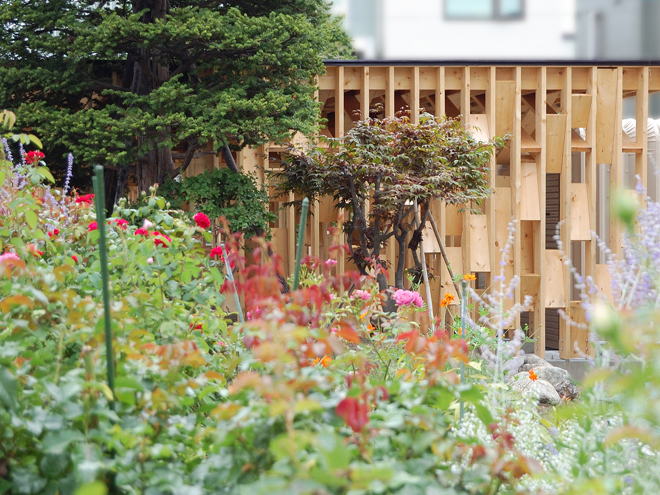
484	9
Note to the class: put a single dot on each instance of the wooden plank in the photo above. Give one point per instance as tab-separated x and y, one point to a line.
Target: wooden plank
467	224
565	183
529	286
580	345
516	183
555	292
479	245
414	95
616	169
326	210
528	143
628	145
478	126
540	227
365	95
526	230
641	132
556	134
490	108
590	170
455	256
505	106
577	143
430	241
453	220
603	280
580	224
580	110
530	199
605	123
440	92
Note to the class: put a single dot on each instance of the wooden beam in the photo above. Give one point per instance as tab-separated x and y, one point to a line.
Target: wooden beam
539	227
516	183
565	181
467	225
641	128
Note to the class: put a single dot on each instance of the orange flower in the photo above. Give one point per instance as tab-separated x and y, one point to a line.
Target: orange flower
469	277
324	362
533	376
447	300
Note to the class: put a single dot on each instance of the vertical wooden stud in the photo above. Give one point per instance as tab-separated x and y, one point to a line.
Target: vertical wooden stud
491	114
641	128
565	179
516	181
539	230
465	112
414	95
616	169
339	132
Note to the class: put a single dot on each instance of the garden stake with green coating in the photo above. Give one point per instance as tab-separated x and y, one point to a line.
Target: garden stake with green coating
301	241
99	201
230	277
463	333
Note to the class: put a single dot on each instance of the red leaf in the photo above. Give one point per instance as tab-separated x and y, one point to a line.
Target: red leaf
354	412
347	332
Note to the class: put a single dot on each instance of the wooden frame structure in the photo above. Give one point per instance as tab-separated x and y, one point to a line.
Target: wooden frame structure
565	123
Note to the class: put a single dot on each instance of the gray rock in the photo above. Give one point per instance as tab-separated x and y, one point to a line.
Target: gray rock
545	392
531	362
560	379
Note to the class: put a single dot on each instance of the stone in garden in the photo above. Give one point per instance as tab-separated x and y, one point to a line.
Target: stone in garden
544	390
531	362
560	379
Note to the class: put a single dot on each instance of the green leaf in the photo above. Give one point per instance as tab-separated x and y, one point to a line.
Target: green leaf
31	219
44	172
35	140
56	442
8	389
94	488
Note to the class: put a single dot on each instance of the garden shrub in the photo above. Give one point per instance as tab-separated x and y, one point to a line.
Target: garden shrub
222	193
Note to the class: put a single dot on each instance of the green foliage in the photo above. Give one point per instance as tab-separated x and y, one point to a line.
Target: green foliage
223	193
112	82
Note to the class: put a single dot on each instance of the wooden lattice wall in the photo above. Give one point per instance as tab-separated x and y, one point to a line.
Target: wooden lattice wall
566	135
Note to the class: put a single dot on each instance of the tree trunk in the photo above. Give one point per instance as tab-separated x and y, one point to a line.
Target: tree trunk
149	73
401	261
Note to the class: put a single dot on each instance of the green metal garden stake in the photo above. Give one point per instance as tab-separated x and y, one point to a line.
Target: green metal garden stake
99	201
463	333
301	241
230	276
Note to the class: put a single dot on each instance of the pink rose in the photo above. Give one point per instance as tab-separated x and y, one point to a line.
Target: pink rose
408	298
361	294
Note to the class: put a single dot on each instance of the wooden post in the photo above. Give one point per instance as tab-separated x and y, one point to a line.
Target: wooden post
339	132
516	180
565	180
465	234
641	127
539	231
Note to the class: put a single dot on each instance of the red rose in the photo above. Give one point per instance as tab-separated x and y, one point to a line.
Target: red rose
92	226
202	220
217	253
119	222
87	199
33	157
74	258
54	232
158	241
141	232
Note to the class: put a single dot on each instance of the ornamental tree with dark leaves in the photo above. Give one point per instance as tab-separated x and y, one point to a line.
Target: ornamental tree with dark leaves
390	164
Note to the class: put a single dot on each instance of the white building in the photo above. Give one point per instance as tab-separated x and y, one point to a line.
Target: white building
460	29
